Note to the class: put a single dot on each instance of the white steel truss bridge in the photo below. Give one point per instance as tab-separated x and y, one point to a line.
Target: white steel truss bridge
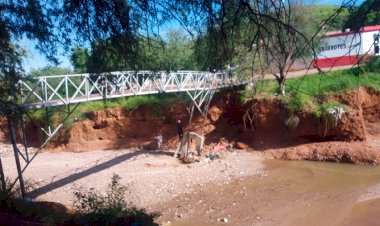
47	91
68	91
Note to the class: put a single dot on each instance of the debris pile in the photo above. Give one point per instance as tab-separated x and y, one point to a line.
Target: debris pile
214	151
210	152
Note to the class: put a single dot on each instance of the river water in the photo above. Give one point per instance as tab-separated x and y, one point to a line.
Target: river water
293	193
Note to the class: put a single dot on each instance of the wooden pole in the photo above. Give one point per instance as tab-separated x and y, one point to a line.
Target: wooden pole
3	184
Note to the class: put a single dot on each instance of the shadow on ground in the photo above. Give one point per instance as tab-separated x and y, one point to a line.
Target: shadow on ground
95	169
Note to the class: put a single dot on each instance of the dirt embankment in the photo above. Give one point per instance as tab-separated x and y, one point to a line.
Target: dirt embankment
355	138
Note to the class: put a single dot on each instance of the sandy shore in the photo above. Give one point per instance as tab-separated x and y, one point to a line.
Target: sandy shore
153	177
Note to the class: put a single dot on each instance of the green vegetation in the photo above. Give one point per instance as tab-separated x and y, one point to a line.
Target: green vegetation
176	52
91	208
307	92
322	110
111	209
340	81
79	59
50	70
366	14
11	202
320	13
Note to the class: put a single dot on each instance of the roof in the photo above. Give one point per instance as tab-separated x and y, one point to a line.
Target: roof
362	30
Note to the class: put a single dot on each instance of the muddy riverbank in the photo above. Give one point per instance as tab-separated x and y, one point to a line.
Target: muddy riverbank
287	193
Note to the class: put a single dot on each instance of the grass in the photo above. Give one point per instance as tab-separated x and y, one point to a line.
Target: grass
323	109
306	92
156	103
333	82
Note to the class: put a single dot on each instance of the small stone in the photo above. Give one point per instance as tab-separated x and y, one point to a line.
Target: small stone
225	220
166	223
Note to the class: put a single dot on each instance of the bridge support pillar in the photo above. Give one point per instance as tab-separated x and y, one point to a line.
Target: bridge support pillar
201	100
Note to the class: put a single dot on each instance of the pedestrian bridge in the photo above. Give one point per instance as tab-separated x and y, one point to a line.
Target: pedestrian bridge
64	90
48	91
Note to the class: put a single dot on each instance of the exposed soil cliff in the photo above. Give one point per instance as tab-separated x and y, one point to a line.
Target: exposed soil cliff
355	138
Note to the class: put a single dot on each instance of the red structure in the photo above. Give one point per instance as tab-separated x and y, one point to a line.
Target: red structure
348	48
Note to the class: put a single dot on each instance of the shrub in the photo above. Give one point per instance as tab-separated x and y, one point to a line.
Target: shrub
322	110
295	102
329	120
372	64
114	208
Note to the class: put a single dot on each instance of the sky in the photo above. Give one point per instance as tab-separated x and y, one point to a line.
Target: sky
36	60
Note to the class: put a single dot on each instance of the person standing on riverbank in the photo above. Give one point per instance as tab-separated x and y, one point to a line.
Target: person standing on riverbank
159	139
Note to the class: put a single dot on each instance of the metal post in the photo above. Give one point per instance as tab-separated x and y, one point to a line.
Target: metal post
67	89
3	185
106	87
191	115
24	140
87	88
15	151
48	120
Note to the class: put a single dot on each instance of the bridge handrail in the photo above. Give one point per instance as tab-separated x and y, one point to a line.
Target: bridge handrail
66	89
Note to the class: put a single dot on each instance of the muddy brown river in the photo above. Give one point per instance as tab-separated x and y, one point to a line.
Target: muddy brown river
288	193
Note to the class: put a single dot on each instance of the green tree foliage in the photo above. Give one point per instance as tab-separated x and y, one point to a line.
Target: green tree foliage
225	31
175	53
320	13
10	72
50	70
79	59
368	13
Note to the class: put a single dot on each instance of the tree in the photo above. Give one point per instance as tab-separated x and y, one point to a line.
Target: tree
318	14
50	70
368	13
281	43
175	53
79	59
178	53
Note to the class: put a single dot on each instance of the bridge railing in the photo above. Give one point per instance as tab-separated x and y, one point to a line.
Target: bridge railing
67	89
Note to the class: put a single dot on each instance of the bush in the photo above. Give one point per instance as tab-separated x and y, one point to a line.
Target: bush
114	208
372	64
328	119
295	102
322	110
